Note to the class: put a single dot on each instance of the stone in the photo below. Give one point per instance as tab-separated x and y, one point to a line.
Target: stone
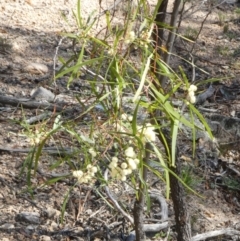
28	217
44	238
50	212
36	68
7	226
41	93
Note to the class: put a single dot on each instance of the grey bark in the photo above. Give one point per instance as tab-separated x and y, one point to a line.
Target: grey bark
179	205
158	32
171	38
177	193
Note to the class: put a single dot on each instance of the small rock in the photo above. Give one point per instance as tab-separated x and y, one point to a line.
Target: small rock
233	113
196	227
79	229
225	67
53	226
44	238
36	68
89	211
41	93
16	47
7	225
28	217
225	208
237	226
220	37
50	212
30	229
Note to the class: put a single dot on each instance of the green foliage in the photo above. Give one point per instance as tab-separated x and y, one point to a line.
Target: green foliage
221	19
191	33
223	50
237	10
231	183
189	178
230	34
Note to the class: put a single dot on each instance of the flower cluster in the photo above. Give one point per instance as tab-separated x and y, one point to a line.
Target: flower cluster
37	137
148	132
126	118
111	51
92	152
145	37
85	177
121	170
130	37
191	93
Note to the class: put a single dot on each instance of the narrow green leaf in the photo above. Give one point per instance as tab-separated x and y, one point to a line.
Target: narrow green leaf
169	109
166	169
193	133
41	145
77	66
79	17
201	118
56	179
65	201
168	172
175	126
143	78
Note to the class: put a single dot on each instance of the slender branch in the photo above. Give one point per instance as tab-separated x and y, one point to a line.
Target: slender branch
138	211
55	59
171	38
200	30
117	206
138	220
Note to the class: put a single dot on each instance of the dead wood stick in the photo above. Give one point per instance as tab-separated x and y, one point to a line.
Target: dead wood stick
48	150
31	104
211	234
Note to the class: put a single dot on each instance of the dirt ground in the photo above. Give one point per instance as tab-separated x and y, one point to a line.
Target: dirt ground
30	31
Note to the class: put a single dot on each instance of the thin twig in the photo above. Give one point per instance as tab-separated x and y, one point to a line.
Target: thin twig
146	227
200	30
117	206
138	211
171	38
55	57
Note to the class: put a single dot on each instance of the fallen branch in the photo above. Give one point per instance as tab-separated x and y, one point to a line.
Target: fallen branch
211	234
70	112
30	104
48	150
38	118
